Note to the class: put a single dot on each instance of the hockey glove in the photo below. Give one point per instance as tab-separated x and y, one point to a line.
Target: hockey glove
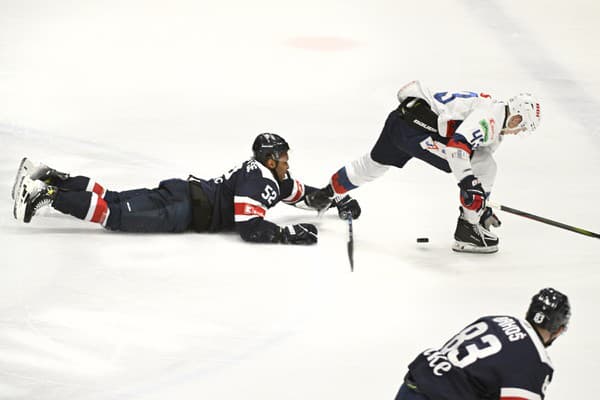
347	206
488	218
320	199
299	234
472	195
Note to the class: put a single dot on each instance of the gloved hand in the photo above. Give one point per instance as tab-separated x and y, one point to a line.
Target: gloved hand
472	195
299	234
347	206
320	199
488	218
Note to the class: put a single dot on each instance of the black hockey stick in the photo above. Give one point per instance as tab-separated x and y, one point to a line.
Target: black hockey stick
544	220
348	217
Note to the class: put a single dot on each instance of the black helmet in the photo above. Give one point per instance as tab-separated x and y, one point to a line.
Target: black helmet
550	310
269	145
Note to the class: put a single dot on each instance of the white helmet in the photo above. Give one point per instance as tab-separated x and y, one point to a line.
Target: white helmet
528	108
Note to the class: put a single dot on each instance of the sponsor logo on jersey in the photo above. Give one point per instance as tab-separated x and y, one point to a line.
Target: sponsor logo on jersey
438	362
485	127
437	148
246	208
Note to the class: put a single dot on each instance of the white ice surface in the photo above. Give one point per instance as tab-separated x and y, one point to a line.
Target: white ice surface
132	92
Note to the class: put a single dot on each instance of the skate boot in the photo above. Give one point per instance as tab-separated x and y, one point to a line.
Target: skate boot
473	238
30	197
39	171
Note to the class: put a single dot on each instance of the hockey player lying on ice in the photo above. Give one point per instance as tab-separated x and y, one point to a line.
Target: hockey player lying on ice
237	200
454	132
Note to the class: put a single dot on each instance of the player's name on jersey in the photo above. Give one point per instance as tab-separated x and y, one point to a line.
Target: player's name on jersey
510	327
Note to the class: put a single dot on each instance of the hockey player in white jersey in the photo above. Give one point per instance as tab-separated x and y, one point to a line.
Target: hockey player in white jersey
456	132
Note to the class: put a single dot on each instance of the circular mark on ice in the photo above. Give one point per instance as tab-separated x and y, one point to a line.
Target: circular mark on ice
322	43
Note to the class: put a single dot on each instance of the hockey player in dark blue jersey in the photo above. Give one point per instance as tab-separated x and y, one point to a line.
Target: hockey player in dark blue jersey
495	357
239	199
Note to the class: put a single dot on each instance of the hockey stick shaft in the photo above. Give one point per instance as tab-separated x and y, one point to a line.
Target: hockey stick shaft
544	220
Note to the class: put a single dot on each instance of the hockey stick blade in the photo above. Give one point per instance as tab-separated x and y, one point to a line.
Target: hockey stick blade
544	220
348	217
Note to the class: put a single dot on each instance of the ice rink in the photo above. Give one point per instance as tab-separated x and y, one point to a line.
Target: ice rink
133	92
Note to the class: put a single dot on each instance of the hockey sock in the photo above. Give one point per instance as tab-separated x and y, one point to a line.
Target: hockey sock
357	173
88	206
81	184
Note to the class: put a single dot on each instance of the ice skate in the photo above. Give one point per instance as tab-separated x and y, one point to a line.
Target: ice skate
39	171
473	238
32	195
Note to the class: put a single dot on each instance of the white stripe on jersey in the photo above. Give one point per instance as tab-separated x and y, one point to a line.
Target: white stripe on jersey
247	200
267	174
297	192
537	342
516	393
244	218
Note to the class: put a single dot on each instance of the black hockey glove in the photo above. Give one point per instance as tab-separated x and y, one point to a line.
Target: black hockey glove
320	199
472	195
347	206
299	234
488	218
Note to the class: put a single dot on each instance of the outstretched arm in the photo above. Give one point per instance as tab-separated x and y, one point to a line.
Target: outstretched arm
300	196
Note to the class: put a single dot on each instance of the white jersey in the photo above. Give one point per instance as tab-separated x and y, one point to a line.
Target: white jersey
468	132
472	121
475	116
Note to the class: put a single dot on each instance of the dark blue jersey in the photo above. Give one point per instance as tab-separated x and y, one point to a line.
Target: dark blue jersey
241	197
496	357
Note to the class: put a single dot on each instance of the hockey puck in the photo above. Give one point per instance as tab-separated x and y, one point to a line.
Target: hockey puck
422	240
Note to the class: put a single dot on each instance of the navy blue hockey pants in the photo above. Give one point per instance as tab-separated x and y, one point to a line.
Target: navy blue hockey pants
399	142
405	393
167	208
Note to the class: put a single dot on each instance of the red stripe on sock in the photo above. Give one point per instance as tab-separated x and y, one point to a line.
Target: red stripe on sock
338	188
98	189
100	212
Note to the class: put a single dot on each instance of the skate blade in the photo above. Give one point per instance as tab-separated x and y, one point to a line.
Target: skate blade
21	198
463	247
25	168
